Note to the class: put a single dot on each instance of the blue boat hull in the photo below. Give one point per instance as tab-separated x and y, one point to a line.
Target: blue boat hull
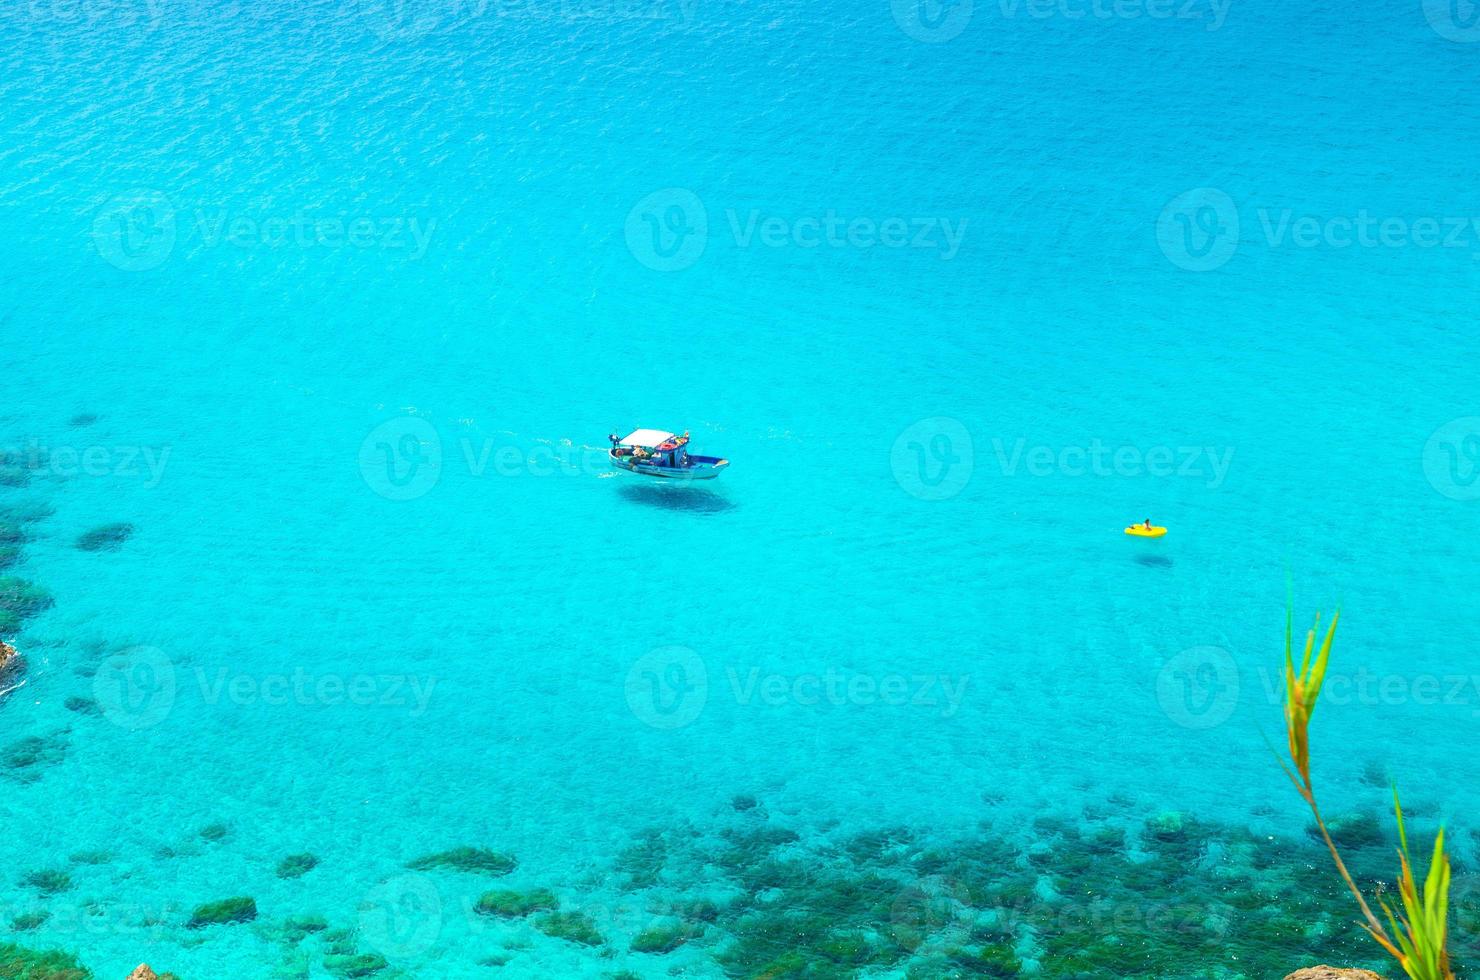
699	468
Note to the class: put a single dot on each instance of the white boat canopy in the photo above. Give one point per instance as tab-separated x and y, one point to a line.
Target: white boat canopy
648	438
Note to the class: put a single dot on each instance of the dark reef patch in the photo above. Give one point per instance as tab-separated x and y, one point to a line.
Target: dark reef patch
25	759
1108	897
296	865
19	601
90	857
47	881
224	912
573	927
478	860
28	921
509	904
82	706
109	537
21	963
213	832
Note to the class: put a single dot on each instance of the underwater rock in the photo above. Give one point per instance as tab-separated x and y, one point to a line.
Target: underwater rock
142	972
1332	973
19	601
109	537
34	752
300	927
697	909
43	964
80	420
48	881
358	965
515	904
643	861
340	942
1351	830
26	511
296	865
214	832
665	937
81	705
574	927
224	912
90	857
26	921
479	860
742	803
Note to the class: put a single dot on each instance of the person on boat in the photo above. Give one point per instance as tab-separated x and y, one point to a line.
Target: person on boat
1147	525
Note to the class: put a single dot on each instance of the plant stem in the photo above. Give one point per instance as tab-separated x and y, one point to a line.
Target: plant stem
1372	924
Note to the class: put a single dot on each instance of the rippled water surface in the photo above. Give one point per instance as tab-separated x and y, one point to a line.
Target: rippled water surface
333	305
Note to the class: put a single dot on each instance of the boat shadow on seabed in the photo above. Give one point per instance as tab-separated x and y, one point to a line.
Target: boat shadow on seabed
685	499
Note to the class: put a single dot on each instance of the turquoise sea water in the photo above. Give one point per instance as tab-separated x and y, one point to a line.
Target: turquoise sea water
336	305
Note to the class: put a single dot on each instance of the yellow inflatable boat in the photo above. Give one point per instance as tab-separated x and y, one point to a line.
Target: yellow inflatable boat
1142	531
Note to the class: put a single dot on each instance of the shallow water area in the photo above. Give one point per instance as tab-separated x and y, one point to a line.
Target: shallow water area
331	562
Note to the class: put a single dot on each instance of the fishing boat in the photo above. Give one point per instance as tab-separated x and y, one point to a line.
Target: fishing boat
653	452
